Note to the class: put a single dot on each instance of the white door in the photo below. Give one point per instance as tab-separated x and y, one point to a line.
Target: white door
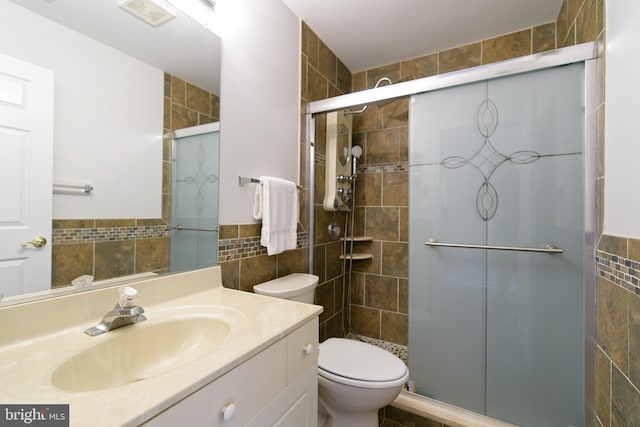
26	162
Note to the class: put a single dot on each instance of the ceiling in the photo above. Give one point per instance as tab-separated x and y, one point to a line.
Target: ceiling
368	33
169	47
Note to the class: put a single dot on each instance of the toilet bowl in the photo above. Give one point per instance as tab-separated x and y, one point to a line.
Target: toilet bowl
355	379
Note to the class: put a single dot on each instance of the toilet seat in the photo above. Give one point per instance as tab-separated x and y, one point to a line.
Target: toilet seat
360	364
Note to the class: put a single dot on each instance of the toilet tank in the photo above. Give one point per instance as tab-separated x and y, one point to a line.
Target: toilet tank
296	287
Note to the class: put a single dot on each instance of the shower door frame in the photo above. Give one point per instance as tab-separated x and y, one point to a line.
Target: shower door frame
587	53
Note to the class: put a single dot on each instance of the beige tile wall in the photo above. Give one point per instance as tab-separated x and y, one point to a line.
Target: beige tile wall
107	248
324	76
245	263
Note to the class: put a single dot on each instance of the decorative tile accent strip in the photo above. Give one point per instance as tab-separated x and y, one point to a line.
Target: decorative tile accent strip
398	350
247	247
384	167
320	159
621	271
66	236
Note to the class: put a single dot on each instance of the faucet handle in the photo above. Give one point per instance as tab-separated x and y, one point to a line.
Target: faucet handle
128	296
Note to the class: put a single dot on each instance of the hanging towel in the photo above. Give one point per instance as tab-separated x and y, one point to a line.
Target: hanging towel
276	203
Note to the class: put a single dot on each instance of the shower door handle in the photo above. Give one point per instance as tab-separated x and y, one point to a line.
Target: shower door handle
548	248
182	228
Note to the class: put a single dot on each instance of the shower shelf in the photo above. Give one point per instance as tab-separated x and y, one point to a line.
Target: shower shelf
356	257
357	238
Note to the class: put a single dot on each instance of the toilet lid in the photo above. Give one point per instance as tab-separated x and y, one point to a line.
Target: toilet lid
359	361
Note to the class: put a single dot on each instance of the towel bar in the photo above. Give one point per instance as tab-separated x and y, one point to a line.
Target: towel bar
242	180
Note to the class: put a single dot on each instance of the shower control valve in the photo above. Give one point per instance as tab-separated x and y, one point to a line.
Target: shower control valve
343	179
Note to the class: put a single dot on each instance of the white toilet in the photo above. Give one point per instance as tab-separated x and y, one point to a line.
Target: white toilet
355	379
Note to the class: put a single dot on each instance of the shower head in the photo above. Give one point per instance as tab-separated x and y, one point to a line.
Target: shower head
356	152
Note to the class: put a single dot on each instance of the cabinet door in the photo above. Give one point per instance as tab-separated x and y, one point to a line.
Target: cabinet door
302	349
297	406
249	387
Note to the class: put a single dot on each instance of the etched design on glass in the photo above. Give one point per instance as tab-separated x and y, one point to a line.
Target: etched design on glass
200	179
487	159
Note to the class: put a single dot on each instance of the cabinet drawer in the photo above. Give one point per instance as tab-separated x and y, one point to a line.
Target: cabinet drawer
302	349
250	387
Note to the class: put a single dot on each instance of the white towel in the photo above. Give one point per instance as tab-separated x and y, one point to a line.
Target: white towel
276	203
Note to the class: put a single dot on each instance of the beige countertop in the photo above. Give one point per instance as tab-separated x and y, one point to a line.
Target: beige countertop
37	337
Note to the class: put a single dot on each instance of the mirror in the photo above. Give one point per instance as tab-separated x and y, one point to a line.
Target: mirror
120	84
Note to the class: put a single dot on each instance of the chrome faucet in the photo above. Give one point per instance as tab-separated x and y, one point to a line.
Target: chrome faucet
124	313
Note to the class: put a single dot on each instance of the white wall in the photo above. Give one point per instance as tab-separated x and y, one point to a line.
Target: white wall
622	119
102	134
259	99
259	110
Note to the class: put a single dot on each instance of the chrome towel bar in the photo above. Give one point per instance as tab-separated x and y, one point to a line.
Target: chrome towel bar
548	249
242	180
72	188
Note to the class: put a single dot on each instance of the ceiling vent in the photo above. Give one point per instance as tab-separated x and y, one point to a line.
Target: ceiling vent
148	10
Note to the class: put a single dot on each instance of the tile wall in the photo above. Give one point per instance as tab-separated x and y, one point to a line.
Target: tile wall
245	263
618	331
324	76
107	248
379	285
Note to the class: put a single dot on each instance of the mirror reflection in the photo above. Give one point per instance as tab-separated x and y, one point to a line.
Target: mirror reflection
110	91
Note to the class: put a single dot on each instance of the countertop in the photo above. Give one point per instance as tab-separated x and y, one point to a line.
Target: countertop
28	359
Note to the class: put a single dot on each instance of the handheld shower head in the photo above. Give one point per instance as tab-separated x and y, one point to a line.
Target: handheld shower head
356	152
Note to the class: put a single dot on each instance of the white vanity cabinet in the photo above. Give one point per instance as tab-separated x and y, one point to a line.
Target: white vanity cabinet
276	387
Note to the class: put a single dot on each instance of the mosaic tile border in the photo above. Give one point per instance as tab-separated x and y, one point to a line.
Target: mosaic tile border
320	159
619	270
68	236
384	167
247	247
396	349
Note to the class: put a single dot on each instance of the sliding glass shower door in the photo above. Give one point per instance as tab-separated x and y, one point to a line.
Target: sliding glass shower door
194	198
496	175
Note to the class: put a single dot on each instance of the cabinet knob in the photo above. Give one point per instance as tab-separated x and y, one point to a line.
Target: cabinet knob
308	349
229	411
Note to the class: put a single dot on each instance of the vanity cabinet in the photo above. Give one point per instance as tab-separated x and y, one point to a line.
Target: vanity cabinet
276	387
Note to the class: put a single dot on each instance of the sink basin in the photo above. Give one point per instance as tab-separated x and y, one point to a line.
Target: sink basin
140	351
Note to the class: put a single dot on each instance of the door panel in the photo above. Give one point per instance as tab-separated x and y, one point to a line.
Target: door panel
26	152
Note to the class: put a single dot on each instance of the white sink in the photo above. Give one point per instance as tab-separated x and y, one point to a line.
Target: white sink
134	353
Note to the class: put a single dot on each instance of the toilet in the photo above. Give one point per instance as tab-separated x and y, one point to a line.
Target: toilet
355	379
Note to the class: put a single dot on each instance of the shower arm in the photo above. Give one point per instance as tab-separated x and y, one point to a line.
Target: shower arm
362	110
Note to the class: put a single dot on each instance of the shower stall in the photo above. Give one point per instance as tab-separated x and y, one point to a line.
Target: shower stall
194	197
501	228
